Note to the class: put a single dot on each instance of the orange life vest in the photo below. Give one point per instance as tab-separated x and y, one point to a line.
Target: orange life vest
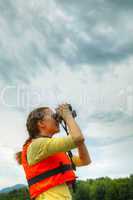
51	171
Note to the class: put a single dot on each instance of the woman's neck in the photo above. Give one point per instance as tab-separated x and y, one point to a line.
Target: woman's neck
43	134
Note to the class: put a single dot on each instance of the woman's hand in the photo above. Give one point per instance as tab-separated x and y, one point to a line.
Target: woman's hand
74	129
64	111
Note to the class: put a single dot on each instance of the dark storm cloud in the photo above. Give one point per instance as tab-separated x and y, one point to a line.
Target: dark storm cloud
103	47
90	32
88	18
121	4
20	56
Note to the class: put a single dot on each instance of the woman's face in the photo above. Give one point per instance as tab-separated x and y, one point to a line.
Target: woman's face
49	125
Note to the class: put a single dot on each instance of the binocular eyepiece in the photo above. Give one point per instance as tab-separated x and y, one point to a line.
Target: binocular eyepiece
58	118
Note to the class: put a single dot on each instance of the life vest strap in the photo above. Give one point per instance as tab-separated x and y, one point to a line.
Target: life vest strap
61	169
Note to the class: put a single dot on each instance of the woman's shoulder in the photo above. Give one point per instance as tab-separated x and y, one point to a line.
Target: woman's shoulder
38	141
36	149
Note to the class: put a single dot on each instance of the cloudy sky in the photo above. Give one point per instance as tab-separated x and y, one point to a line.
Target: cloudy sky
68	51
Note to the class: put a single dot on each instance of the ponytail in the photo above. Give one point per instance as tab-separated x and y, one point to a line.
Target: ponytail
18	155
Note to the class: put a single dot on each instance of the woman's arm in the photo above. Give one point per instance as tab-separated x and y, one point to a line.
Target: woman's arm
76	133
74	130
84	154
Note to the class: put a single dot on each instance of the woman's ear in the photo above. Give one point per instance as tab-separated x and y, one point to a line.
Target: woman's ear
41	124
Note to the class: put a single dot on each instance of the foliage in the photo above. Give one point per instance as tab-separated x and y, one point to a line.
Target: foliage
103	188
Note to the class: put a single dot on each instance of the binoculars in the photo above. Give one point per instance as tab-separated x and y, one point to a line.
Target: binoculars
58	118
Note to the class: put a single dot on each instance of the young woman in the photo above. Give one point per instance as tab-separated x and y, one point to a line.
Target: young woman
46	164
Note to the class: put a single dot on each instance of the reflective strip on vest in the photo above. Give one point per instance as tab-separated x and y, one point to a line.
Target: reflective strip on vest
60	169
